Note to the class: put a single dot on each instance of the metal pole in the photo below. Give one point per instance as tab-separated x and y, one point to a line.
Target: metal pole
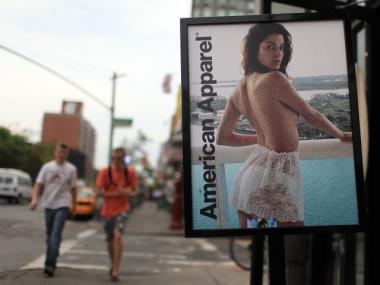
349	268
112	111
297	248
277	267
262	7
322	261
371	275
115	76
257	254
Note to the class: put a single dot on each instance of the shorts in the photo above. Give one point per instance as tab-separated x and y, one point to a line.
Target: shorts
117	222
268	185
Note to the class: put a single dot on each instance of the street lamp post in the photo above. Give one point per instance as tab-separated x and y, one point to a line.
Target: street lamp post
115	76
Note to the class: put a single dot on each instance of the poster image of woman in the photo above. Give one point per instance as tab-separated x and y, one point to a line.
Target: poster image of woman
268	184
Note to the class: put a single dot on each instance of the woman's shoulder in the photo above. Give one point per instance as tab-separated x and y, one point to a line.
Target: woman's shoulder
272	77
241	83
272	80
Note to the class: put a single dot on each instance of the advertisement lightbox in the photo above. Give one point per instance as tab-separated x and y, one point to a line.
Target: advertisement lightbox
270	125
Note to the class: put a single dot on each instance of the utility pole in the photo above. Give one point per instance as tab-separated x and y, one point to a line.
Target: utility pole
115	76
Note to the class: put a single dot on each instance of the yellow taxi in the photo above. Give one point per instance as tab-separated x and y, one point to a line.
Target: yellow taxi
85	202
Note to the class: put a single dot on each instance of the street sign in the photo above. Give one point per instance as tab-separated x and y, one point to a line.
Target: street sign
126	122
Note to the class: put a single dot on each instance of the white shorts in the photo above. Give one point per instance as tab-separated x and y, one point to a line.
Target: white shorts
268	185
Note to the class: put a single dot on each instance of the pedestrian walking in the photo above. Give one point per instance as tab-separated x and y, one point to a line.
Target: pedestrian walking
57	179
116	183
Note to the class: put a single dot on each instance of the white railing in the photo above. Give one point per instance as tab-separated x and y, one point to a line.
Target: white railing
308	150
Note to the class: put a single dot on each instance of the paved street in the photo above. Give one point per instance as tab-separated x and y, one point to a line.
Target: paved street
153	254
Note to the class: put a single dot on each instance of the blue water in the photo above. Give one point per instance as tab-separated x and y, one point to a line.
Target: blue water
329	193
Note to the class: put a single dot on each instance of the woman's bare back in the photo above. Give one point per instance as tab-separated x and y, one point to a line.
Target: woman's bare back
274	123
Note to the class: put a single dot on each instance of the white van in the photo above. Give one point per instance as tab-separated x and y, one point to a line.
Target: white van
15	185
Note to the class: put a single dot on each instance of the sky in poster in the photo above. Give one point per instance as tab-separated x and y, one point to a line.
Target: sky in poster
318	49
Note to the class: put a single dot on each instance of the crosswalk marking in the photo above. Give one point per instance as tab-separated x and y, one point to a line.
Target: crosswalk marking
130	254
86	234
178	260
89	252
153	255
205	245
66	246
84	266
197	263
39	261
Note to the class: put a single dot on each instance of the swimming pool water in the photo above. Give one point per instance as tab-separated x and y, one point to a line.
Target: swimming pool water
329	193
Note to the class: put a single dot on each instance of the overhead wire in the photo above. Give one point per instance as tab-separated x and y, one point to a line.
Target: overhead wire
52	59
57	74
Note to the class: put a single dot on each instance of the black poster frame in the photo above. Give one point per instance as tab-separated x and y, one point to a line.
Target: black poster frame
187	156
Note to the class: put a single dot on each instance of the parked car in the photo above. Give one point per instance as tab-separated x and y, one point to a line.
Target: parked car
85	202
15	185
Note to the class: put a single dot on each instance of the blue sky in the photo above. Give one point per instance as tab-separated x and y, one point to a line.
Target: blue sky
86	41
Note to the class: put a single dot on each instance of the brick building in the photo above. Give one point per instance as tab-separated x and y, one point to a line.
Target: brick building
72	128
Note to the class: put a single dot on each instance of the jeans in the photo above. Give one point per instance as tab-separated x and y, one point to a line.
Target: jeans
55	221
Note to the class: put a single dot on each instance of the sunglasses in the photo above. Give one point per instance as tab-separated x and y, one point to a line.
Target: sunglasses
117	158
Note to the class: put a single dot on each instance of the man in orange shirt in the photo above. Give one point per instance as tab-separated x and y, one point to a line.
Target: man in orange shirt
115	184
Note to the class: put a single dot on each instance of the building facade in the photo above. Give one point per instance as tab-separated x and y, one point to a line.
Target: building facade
72	128
208	8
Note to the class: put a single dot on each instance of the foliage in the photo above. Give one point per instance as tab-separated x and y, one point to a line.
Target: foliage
16	152
324	82
335	107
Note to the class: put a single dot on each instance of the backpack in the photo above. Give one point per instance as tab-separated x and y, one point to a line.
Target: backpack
110	182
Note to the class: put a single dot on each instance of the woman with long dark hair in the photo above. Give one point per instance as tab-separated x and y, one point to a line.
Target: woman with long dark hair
268	185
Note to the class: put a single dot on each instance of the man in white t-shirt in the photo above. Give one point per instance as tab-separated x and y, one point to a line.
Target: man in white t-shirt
57	178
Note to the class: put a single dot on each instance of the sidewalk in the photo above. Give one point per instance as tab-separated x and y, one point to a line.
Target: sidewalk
65	276
144	222
155	221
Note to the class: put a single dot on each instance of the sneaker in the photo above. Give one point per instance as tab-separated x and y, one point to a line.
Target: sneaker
49	271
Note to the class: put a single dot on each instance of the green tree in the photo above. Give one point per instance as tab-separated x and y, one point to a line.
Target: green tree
16	152
12	149
335	107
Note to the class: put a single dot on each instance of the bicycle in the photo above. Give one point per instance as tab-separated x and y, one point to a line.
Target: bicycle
240	251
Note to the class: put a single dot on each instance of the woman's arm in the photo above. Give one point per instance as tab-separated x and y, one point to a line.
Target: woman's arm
281	87
225	133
